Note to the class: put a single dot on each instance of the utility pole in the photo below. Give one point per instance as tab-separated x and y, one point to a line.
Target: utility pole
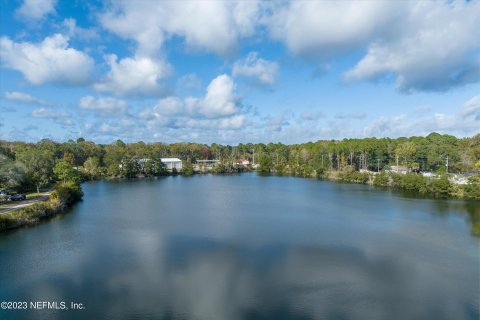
446	165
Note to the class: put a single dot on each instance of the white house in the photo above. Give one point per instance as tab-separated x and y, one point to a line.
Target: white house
172	163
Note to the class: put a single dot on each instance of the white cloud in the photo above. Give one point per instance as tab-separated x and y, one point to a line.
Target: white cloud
214	26
74	30
321	29
220	99
263	72
169	106
229	123
424	46
437	49
60	117
104	106
464	122
137	76
219	108
471	108
23	98
35	10
279	121
48	61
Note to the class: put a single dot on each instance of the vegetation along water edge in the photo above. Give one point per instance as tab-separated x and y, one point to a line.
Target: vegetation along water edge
435	165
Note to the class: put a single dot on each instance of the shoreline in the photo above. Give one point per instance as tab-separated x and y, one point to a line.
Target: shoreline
64	196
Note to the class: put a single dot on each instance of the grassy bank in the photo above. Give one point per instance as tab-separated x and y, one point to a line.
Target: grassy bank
63	196
439	186
436	187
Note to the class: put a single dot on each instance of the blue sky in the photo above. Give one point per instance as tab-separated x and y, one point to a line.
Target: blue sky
238	71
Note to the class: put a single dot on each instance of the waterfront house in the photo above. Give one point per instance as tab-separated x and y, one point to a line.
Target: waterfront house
172	163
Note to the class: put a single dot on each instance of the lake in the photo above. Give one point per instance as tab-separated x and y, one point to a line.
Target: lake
246	247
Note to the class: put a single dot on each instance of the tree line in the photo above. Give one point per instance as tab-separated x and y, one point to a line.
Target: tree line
31	166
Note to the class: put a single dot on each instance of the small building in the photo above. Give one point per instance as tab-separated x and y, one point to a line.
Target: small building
398	169
172	163
245	163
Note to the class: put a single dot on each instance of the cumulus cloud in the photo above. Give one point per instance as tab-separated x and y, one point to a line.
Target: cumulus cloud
35	10
59	116
50	61
219	108
464	122
137	76
262	71
214	26
23	98
321	29
437	49
220	99
105	106
423	46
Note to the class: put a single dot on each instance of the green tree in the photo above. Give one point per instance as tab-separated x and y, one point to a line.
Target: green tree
187	168
64	171
39	164
265	163
406	151
92	167
12	174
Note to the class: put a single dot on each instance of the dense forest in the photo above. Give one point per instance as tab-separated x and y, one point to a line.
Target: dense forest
33	166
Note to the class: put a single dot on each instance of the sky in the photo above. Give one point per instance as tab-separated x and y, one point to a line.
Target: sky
234	72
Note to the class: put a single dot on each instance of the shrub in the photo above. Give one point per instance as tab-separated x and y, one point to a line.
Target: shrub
472	190
441	186
354	177
381	180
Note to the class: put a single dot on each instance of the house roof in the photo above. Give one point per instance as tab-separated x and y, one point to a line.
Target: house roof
170	160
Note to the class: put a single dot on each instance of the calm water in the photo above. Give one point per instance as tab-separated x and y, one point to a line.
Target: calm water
246	247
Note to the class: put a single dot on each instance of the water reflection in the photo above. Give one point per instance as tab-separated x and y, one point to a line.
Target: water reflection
284	253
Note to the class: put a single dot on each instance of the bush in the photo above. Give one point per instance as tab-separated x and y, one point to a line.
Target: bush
67	193
354	177
381	180
472	190
414	182
441	186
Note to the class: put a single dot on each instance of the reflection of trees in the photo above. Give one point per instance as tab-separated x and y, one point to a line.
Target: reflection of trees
473	209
